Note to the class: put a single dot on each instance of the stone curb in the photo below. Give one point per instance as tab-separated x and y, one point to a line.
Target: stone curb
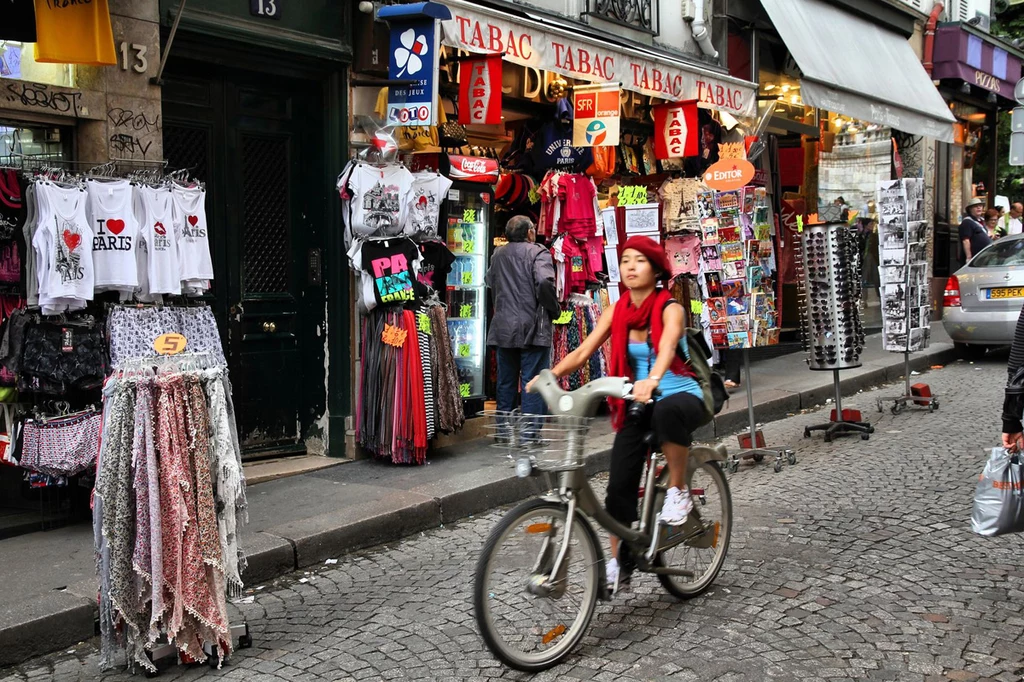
55	623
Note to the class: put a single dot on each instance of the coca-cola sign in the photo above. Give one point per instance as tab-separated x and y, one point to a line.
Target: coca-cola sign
473	169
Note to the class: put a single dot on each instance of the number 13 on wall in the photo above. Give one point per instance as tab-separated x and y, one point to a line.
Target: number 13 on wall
271	9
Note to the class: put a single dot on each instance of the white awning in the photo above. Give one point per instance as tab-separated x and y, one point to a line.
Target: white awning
550	47
854	67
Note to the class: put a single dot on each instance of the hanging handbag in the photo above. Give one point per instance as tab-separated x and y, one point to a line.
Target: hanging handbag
451	133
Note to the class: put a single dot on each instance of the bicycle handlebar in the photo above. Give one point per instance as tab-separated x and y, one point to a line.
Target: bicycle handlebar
584	401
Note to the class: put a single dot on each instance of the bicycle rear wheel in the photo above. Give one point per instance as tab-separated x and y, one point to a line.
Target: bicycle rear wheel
705	554
534	629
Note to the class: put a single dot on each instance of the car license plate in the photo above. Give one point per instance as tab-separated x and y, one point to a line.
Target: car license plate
1006	292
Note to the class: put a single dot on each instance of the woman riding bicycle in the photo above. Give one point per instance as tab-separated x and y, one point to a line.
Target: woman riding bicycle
645	328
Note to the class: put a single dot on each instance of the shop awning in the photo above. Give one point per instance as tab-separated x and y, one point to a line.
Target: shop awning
853	67
970	56
545	46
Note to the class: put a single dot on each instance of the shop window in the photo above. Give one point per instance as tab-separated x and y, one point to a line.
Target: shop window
38	142
779	79
17	61
855	156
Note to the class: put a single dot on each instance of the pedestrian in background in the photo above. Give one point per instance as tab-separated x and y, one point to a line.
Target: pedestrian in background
992	224
973	235
1012	220
521	277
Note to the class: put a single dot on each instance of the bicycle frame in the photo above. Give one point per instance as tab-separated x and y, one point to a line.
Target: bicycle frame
575	491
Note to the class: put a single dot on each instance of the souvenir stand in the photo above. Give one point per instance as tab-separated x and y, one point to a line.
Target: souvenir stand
409	387
830	289
906	309
105	266
738	269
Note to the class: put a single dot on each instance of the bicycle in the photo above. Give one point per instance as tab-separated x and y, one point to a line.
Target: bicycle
534	606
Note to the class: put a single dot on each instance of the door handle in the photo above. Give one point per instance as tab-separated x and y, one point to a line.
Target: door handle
269	327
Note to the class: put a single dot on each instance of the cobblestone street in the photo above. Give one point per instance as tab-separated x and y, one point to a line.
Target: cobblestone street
857	563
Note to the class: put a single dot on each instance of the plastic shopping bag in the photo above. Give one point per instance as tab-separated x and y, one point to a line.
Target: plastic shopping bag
998	499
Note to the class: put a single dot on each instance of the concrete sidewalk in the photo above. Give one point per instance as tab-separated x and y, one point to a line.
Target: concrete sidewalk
50	596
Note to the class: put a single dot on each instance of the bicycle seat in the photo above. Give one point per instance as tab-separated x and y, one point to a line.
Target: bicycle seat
584	401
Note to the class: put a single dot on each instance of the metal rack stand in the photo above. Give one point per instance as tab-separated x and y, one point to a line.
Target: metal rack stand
840	427
756	453
904	401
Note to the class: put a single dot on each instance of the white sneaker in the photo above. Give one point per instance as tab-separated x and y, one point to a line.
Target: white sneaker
612	573
677	507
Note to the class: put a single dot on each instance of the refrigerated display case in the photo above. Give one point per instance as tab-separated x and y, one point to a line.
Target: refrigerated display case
468	210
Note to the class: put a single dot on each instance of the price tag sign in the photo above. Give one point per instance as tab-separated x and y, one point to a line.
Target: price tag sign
564	318
468	246
423	323
393	336
467	278
464	390
696	307
463	350
632	195
169	344
466	310
469	215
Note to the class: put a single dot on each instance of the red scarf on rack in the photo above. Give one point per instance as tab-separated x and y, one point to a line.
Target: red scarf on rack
626	317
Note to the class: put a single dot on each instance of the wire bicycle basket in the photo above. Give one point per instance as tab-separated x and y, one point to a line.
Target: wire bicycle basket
549	442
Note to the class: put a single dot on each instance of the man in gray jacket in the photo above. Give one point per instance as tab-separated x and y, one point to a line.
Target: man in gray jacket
522	280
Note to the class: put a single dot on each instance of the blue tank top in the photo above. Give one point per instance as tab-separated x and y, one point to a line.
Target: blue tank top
642	358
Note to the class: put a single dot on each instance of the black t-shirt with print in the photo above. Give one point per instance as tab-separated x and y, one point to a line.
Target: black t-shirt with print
389	263
435	264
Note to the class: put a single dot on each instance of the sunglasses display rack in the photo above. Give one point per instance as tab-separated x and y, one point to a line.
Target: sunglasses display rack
829	299
906	300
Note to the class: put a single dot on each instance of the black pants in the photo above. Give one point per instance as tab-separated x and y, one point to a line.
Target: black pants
672	420
730	362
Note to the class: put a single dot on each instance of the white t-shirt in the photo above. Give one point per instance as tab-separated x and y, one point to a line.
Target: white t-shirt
192	233
153	208
379	202
428	193
63	248
115	234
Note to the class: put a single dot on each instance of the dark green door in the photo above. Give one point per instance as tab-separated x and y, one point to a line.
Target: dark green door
254	139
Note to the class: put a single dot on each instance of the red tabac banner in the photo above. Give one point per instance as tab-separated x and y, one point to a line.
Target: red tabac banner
480	91
675	130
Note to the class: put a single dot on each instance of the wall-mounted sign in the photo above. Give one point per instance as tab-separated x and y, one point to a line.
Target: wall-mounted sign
480	91
675	128
729	174
266	9
595	115
413	55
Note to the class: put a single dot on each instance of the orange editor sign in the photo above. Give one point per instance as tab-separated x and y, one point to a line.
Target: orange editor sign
169	344
729	174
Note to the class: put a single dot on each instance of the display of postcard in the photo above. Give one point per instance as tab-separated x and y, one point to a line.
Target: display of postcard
738	324
706	205
728	201
893	274
921	296
643	220
732	252
611	257
894	256
762	231
714	284
753	249
716	310
891	198
733	269
754	276
892	237
924	316
732	288
920	338
895	325
712	259
709	230
727	220
894	342
729	234
917	232
761	333
739	340
748	199
773	336
719	335
918	253
738	305
914	192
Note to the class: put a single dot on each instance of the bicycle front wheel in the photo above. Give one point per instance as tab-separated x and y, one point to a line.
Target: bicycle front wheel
704	555
528	621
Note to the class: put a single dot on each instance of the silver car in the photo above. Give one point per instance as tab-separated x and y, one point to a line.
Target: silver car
982	301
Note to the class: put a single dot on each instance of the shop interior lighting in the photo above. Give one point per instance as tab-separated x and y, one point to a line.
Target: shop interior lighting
769	86
785	88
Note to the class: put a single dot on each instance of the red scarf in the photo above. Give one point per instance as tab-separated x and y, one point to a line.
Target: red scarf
626	317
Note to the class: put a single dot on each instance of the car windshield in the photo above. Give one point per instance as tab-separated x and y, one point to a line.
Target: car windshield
1003	253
